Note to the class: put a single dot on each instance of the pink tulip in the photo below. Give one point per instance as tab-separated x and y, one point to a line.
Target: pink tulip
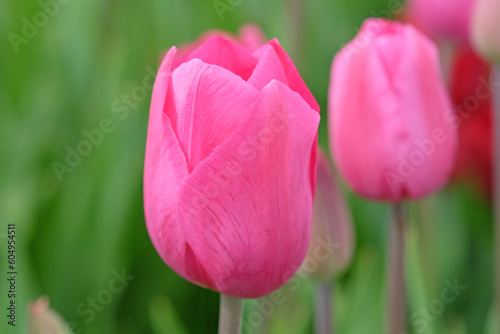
230	167
391	121
485	30
442	18
332	235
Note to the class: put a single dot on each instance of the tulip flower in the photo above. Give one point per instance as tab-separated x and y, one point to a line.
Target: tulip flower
230	167
44	320
332	241
391	119
447	19
471	93
393	130
485	32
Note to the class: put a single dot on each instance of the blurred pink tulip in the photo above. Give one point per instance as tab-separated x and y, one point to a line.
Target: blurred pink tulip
230	167
392	125
44	320
485	30
331	225
448	19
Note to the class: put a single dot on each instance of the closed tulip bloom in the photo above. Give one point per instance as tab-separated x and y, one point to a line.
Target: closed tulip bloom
391	122
230	167
447	19
485	29
332	235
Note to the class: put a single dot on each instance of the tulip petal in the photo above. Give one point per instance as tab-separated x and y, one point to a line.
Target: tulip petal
378	106
211	102
229	55
185	50
432	156
251	37
268	68
294	79
484	29
165	168
442	18
246	209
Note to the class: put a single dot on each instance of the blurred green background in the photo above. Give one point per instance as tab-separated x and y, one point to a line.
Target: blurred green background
74	235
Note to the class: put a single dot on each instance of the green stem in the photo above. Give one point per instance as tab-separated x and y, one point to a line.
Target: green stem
396	307
323	312
230	315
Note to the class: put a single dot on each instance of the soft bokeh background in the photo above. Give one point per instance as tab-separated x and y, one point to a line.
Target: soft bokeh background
72	235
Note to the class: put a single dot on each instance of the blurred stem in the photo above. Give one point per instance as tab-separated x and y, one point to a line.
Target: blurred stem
323	313
230	315
447	51
396	307
296	11
266	322
496	191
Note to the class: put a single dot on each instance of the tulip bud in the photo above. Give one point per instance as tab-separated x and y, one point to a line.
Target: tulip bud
230	167
332	239
44	320
392	125
485	29
447	19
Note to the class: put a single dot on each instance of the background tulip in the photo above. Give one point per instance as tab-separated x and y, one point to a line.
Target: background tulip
393	130
230	167
485	31
448	19
44	320
331	224
391	122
